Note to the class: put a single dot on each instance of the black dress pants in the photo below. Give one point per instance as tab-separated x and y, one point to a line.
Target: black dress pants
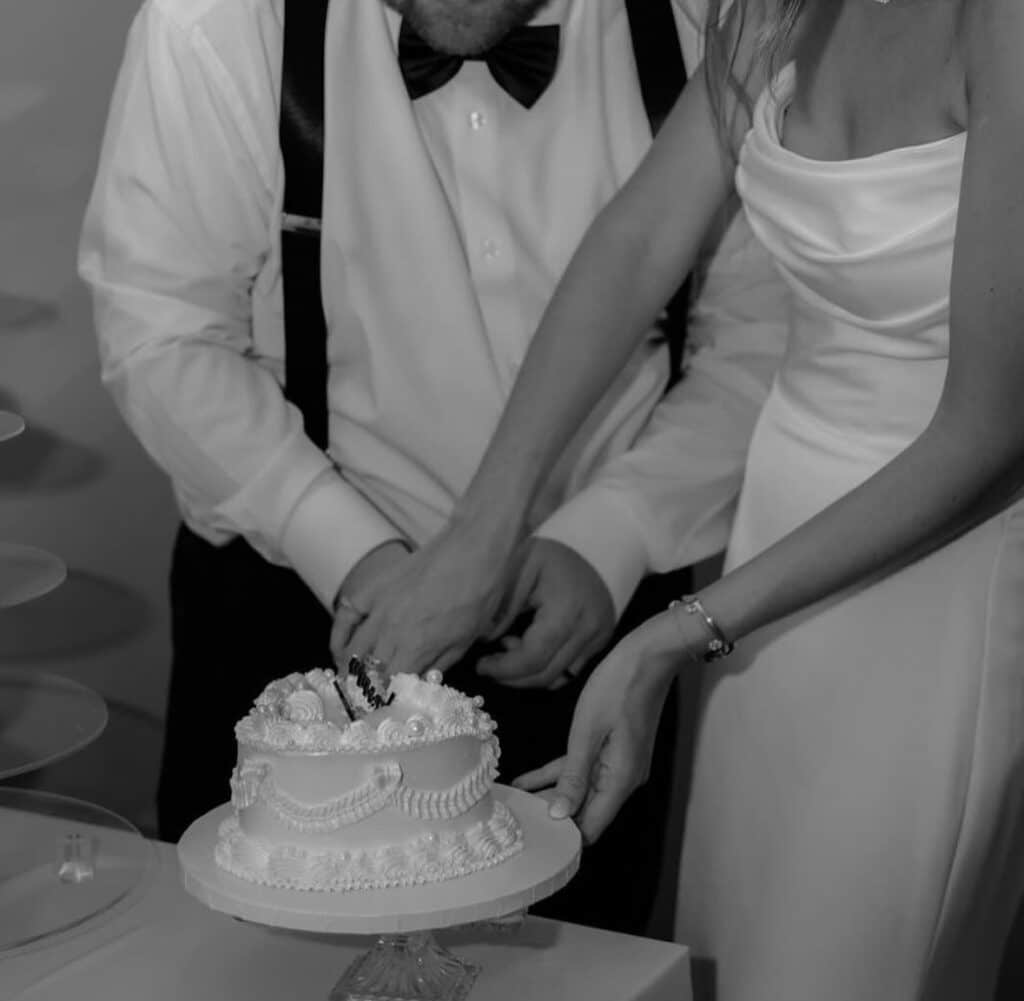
238	622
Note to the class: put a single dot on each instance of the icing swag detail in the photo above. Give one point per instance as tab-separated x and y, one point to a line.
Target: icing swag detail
253	782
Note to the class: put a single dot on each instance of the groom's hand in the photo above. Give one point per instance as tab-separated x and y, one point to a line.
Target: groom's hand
569	616
425	610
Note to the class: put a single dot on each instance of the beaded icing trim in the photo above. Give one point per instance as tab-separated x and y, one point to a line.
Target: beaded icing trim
427	858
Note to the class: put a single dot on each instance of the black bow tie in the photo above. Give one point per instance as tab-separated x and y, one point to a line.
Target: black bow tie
522	63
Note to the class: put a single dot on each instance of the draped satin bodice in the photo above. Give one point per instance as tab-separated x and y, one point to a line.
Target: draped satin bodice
866	246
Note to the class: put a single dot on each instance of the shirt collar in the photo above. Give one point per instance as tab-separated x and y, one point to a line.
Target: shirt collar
556	12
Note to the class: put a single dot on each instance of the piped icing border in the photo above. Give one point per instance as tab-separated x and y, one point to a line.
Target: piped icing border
252	782
428	858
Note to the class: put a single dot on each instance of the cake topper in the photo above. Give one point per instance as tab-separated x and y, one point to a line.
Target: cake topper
366	671
340	689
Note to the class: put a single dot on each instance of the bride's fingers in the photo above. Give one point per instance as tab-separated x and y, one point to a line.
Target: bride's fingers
540	778
585	741
601	806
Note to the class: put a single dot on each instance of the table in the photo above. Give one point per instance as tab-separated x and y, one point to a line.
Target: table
170	947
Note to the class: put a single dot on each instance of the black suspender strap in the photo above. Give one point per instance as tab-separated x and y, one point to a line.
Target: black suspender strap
661	71
301	133
659	57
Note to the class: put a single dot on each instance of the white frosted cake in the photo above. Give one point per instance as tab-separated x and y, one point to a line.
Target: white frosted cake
340	788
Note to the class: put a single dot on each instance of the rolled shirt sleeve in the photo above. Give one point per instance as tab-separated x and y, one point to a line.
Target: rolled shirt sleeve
669	501
178	229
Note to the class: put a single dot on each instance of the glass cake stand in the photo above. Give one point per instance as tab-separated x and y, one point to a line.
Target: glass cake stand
405	963
27	572
44	718
66	867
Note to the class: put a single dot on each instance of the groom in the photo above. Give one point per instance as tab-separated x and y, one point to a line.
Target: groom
313	451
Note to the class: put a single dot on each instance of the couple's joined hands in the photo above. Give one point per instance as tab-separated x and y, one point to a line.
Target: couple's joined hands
422	610
542	612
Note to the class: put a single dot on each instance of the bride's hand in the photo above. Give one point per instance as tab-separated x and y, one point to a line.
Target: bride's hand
611	740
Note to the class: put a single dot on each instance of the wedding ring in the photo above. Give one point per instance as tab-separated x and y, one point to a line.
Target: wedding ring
372	663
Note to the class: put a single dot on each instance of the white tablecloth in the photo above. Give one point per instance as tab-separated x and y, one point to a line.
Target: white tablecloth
169	947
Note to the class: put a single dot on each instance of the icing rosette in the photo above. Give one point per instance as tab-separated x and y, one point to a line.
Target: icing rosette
314	712
390	730
304	706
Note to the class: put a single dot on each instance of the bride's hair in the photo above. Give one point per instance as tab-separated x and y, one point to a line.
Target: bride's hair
727	70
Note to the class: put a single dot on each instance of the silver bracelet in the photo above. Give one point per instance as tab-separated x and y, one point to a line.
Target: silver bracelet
718	646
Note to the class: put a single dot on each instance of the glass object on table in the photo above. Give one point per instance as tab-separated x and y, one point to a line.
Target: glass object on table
44	718
66	867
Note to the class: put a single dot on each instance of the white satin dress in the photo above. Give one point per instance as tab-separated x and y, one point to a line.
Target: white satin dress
855	830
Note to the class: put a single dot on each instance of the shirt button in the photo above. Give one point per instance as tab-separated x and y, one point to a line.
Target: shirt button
490	249
477	120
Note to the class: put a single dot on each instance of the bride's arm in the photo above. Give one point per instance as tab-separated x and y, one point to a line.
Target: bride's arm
969	461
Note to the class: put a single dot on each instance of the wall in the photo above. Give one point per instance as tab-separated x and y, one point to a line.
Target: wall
75	483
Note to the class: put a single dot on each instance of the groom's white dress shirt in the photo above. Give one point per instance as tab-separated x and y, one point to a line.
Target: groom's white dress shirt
447	222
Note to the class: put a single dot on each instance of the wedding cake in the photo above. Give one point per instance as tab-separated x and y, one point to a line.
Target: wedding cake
349	782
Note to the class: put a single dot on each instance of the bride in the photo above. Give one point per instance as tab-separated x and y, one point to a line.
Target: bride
855	824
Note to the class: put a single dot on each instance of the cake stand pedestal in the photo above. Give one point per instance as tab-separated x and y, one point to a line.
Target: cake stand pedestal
406	963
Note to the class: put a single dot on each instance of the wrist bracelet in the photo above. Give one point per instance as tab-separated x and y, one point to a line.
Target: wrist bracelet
718	645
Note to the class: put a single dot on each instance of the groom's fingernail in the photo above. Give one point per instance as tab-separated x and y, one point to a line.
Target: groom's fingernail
559	808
